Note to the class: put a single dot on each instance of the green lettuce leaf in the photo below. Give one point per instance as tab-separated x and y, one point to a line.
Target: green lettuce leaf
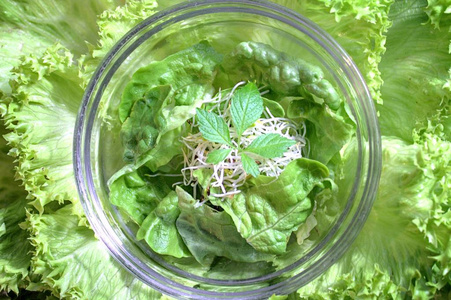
15	248
74	264
267	211
327	131
139	132
159	231
112	26
189	72
40	113
403	249
31	26
357	25
208	233
415	69
137	195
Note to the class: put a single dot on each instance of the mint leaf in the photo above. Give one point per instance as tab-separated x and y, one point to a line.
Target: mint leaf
216	156
249	165
246	107
270	145
213	127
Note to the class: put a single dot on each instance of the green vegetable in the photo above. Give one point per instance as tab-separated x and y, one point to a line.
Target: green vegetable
159	230
208	233
213	127
403	251
246	107
270	145
138	196
216	156
249	165
189	72
267	211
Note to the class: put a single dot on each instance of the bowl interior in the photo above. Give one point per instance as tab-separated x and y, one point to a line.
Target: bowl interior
339	213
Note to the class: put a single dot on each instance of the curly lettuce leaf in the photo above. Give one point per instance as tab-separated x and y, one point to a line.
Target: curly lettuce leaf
415	69
40	113
403	249
29	26
267	211
112	26
74	264
359	26
15	248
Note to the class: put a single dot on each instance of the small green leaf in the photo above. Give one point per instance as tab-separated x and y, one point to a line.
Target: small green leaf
246	107
218	155
213	127
249	165
270	145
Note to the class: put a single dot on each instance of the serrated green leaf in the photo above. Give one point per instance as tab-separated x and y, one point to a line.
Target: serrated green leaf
249	165
213	127
216	156
246	107
270	145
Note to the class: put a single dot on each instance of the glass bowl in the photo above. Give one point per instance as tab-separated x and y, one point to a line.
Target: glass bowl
224	24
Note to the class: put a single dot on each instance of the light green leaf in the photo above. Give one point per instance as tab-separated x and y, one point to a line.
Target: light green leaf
274	107
75	265
270	145
29	26
414	90
246	107
283	74
213	127
189	72
218	155
208	233
138	196
159	231
140	130
327	130
41	113
249	165
268	210
15	249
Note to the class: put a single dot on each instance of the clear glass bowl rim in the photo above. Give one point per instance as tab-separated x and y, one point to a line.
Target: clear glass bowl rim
84	181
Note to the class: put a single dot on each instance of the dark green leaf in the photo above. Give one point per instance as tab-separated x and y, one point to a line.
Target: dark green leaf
270	145
246	107
218	155
208	233
249	165
213	127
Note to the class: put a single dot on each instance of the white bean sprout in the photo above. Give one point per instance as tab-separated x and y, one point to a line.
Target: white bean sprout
228	176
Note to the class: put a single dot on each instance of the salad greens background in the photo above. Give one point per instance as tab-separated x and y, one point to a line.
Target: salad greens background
48	51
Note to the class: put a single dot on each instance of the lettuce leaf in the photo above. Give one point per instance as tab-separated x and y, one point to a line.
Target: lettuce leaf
41	112
159	229
14	245
267	211
415	68
29	26
208	233
358	26
74	264
390	256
